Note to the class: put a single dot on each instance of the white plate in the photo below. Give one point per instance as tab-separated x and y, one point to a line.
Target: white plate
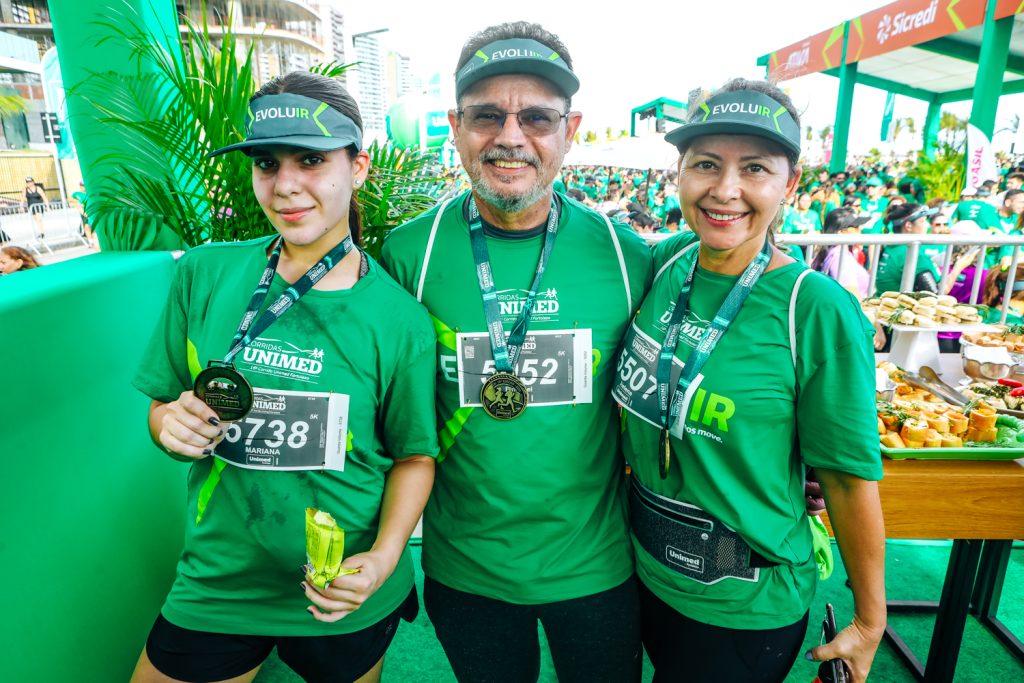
944	327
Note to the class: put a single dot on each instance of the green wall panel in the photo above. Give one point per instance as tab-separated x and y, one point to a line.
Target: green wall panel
94	513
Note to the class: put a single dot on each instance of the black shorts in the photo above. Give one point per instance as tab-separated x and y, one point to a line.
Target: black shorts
593	639
202	657
683	649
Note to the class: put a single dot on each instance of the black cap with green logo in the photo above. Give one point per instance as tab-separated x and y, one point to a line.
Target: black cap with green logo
740	112
517	56
296	121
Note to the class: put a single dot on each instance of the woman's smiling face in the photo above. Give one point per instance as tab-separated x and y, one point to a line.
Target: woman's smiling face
731	190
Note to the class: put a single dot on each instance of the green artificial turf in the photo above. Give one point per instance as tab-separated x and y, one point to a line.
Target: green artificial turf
913	571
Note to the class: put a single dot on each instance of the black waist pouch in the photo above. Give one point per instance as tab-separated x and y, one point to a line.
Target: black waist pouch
690	541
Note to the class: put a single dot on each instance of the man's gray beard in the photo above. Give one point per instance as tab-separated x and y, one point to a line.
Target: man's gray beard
509	203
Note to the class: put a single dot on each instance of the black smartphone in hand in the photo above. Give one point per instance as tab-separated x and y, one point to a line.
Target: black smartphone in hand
834	670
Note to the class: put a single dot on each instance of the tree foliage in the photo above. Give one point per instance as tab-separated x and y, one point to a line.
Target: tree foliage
193	102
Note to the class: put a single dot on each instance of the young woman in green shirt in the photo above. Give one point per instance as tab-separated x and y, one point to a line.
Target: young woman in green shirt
322	398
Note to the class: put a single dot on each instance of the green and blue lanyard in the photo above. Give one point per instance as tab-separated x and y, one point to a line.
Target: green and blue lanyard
247	331
671	404
506	353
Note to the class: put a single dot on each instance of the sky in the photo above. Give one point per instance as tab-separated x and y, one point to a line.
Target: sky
628	53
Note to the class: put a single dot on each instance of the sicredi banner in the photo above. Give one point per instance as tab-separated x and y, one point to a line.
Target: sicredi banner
820	52
1006	8
909	22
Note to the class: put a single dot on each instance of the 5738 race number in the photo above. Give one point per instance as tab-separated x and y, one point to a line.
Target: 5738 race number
289	430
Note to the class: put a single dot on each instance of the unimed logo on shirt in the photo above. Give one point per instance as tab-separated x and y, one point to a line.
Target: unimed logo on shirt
545	306
283	359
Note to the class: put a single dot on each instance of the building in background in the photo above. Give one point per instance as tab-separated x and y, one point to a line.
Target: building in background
339	42
400	77
372	90
20	73
28	19
288	34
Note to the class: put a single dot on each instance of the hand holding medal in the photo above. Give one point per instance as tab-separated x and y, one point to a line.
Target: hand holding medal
188	427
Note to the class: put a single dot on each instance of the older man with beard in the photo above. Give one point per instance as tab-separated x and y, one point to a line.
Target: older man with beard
527	522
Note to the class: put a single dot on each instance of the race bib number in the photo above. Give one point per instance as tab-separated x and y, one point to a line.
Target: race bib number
555	365
289	430
636	376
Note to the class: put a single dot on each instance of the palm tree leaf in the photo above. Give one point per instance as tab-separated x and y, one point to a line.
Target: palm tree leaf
186	104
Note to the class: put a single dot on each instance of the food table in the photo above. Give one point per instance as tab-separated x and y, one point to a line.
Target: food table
976	503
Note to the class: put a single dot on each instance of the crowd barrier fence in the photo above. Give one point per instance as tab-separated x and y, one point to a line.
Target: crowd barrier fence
810	243
62	226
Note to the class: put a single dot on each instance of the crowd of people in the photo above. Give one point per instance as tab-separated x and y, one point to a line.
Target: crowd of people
888	199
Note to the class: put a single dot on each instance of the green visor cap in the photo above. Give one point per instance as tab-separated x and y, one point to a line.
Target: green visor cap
742	112
517	56
296	121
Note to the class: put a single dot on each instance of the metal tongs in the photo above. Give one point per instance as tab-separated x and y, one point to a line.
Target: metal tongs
929	380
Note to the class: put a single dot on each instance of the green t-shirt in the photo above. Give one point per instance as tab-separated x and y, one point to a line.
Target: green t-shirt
800	222
531	510
875	207
877	226
752	426
982	213
80	198
1007	225
995	313
890	267
936	253
245	529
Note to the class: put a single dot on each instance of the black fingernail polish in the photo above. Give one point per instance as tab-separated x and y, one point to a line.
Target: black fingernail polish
214	421
303	586
208	451
220	433
212	439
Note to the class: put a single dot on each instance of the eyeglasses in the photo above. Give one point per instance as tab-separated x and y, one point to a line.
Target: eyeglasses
534	121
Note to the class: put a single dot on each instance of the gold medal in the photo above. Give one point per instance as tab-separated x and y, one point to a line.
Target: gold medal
503	396
666	454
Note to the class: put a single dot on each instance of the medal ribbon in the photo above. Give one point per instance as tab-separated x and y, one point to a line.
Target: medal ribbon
247	331
505	354
727	312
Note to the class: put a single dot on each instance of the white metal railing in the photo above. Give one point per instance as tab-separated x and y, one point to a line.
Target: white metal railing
61	226
874	243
